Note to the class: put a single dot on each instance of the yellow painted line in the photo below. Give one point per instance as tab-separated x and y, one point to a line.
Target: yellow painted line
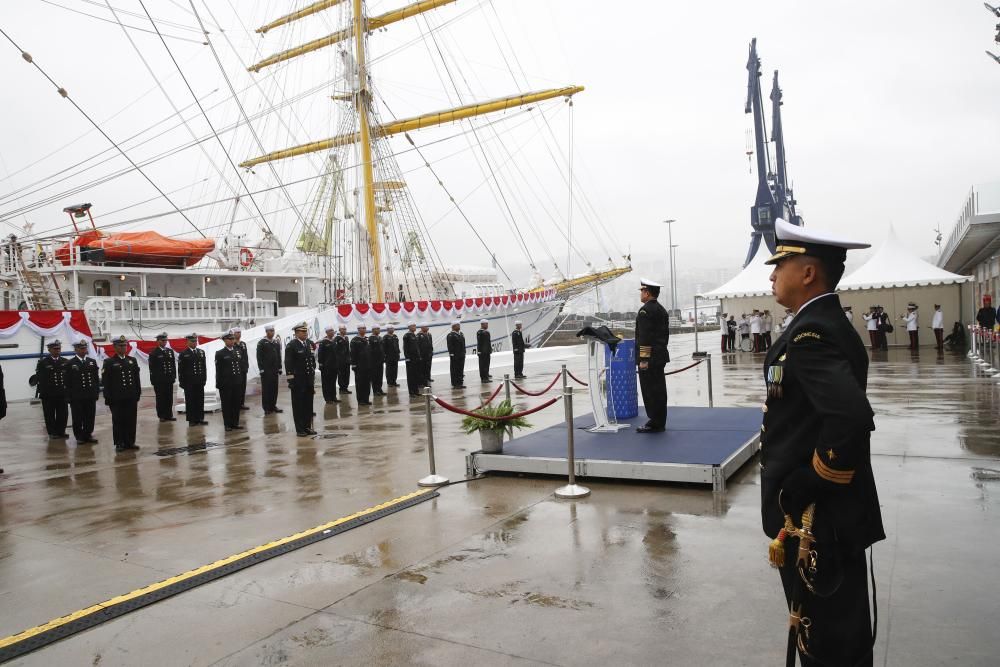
63	620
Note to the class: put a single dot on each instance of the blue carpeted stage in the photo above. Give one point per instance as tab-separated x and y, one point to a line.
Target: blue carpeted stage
700	446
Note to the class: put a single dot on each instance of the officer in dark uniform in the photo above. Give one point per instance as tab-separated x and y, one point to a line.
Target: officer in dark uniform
484	349
456	355
815	453
517	344
241	349
390	353
329	368
122	389
192	373
426	344
51	375
361	363
376	357
84	388
652	333
342	347
269	364
414	366
229	381
162	374
300	365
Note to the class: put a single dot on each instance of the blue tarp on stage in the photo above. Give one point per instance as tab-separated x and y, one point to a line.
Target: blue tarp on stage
700	436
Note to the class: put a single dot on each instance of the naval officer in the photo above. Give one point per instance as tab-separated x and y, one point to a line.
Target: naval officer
51	375
376	357
484	349
122	389
414	366
362	365
815	442
390	351
83	390
300	365
229	380
456	355
652	333
269	363
192	374
329	367
517	344
162	374
240	347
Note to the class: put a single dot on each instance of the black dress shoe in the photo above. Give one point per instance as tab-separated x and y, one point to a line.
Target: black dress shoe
228	429
244	407
302	434
364	402
346	391
277	410
520	377
311	431
130	447
202	423
649	429
92	441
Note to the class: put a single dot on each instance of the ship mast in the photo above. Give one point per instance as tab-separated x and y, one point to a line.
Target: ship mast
361	103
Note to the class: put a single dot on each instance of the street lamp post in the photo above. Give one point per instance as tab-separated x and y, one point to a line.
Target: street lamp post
670	257
673	276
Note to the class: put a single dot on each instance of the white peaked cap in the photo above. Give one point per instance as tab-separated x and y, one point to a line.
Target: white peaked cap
330	328
458	322
516	322
269	327
484	321
644	282
236	330
796	240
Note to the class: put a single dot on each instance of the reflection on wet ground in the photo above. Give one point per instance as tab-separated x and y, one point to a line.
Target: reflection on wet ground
496	570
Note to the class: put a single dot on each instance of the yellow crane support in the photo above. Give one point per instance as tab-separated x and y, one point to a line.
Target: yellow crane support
314	8
417	122
373	23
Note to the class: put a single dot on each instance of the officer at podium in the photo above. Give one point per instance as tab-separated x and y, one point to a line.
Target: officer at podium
652	332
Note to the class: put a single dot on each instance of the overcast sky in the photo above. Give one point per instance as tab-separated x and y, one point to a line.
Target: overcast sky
889	116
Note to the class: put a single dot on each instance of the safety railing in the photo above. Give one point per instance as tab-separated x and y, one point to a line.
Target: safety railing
985	349
105	312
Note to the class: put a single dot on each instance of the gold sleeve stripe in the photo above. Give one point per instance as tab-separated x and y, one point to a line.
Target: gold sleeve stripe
829	474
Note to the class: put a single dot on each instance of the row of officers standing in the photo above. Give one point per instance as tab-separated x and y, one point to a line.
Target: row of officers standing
77	384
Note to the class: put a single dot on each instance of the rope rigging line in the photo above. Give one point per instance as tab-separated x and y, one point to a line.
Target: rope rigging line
62	92
569	187
203	113
101	18
516	415
537	393
578	380
681	370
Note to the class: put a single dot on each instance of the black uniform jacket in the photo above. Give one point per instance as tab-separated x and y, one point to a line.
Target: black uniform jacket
483	342
652	333
300	365
51	373
120	379
820	419
456	344
360	353
191	369
269	356
517	340
3	397
162	366
375	352
411	350
228	368
241	348
84	379
390	347
342	348
987	317
425	342
326	353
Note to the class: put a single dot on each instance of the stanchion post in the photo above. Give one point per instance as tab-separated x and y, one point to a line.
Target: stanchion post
432	479
572	489
565	378
708	359
696	324
506	386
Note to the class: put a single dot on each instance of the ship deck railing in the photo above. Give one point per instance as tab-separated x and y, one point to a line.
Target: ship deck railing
105	312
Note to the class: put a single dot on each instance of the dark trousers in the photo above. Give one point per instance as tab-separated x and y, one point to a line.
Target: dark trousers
653	384
83	418
164	399
457	368
328	376
230	398
758	343
376	377
518	364
939	338
56	415
414	371
883	340
484	367
194	403
344	375
914	343
767	340
269	391
123	417
873	337
427	370
731	345
725	342
840	625
391	371
362	384
243	391
302	408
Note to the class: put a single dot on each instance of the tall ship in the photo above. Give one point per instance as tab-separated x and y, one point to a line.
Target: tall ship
324	228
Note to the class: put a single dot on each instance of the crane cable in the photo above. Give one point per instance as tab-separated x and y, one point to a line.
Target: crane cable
62	91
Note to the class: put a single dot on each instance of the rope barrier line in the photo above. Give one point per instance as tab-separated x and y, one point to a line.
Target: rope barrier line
490	399
453	408
537	393
681	370
578	380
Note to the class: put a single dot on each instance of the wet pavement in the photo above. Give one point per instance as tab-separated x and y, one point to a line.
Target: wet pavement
495	571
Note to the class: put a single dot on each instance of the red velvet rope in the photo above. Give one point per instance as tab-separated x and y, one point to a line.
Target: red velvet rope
536	393
458	410
685	368
490	399
578	380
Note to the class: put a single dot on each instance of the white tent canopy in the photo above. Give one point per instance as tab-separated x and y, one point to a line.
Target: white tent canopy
753	280
893	265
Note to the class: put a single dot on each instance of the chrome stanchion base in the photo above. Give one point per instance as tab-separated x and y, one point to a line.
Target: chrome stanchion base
433	480
571	491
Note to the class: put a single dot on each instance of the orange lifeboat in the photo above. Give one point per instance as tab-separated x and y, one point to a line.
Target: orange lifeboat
136	249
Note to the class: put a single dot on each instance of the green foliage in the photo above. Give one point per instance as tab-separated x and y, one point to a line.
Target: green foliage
473	424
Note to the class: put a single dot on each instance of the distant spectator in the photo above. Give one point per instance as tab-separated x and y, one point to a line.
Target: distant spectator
987	315
724	331
744	328
871	323
767	325
755	331
937	324
732	326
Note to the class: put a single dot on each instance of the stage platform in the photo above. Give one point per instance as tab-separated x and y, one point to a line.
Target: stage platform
700	446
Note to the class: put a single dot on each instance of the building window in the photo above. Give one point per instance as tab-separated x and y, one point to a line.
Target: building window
102	288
